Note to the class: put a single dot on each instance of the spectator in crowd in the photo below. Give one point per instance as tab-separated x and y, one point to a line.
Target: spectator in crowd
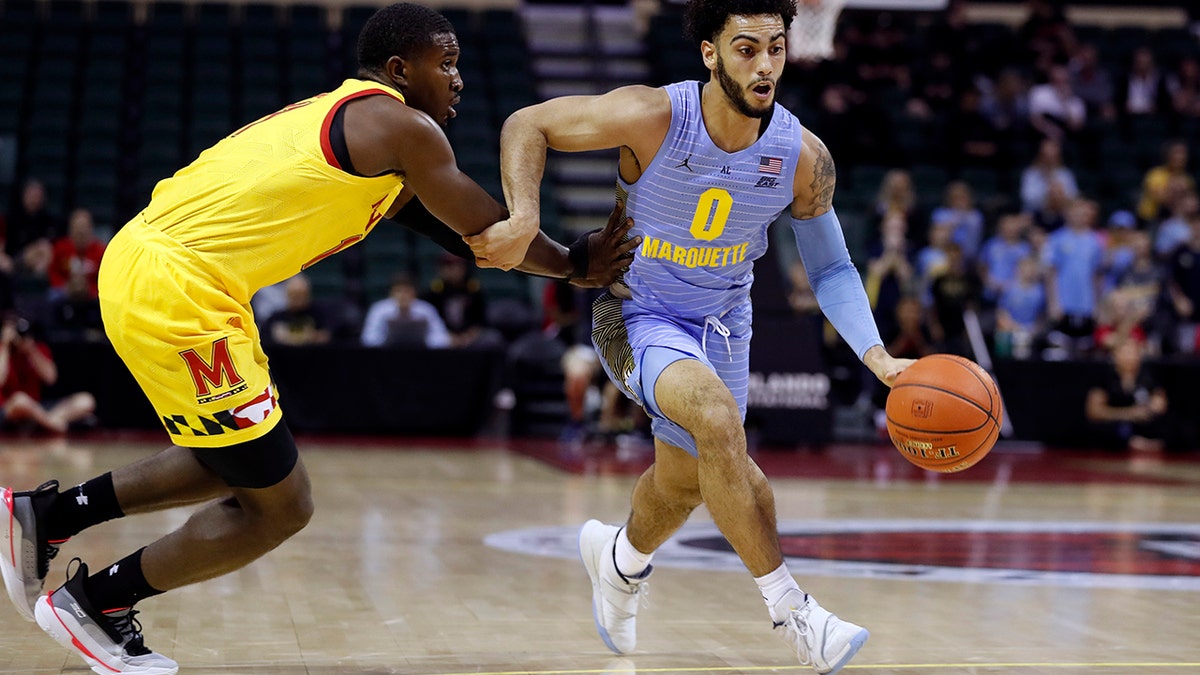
953	292
965	221
300	322
1183	286
26	366
75	314
562	321
1118	247
402	319
1142	91
31	229
76	255
1002	253
1021	310
1046	31
1092	83
1074	255
269	299
561	315
583	377
1046	171
1055	111
1142	283
1183	86
1143	277
1128	406
890	273
897	195
936	84
908	334
1158	180
1006	105
460	301
1053	214
934	257
1119	319
1175	230
972	140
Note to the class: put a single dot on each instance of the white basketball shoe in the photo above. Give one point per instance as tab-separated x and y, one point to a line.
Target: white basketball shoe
615	597
110	642
821	640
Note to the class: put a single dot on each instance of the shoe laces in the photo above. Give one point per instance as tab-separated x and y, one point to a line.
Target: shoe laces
796	632
49	551
126	624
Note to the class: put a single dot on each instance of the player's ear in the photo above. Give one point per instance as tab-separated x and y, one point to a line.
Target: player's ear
709	52
396	69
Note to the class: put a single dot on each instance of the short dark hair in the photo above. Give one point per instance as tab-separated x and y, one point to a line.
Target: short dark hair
400	30
703	19
402	279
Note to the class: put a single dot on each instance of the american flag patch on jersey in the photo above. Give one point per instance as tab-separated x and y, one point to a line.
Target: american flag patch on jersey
770	165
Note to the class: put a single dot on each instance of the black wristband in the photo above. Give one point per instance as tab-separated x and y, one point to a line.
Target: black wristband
577	255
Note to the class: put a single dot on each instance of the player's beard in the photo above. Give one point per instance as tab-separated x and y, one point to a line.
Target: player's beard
736	93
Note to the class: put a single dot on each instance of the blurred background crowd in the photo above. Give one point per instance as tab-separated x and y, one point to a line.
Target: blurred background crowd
1013	184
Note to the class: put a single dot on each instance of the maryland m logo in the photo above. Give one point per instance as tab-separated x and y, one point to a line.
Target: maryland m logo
217	372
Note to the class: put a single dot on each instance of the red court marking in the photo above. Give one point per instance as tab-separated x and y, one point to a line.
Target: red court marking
1091	552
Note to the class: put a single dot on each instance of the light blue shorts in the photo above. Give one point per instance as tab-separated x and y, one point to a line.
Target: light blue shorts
655	342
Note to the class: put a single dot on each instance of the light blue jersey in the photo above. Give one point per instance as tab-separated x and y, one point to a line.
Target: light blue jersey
703	214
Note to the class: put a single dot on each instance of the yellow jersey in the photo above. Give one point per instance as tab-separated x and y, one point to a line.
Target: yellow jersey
271	199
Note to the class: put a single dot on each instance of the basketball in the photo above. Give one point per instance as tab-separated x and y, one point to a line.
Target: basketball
944	413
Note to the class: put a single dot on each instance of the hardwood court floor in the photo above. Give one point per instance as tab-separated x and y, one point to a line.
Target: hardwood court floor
394	576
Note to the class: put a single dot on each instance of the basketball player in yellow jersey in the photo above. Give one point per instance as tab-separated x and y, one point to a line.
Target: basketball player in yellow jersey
269	200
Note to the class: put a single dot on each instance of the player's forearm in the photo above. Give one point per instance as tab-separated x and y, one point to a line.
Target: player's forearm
522	164
546	258
835	281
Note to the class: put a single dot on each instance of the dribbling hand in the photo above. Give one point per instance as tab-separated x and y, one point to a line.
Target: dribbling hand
886	367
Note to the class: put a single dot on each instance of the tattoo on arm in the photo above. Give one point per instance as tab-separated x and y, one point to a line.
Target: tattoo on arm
824	180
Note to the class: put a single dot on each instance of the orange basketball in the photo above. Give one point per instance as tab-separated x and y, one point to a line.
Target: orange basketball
944	412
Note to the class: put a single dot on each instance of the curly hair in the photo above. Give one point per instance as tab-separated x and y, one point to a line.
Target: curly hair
703	19
400	30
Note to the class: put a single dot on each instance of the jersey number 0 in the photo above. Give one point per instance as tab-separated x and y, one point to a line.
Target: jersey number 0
712	212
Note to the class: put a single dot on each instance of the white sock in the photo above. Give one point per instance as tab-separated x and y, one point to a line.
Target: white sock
774	587
630	561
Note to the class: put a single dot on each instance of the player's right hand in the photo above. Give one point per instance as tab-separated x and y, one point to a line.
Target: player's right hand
502	245
885	366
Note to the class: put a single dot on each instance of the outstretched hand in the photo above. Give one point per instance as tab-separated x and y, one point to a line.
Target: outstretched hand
886	367
502	245
609	250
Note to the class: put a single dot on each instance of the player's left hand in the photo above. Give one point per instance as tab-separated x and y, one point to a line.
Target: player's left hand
886	367
502	245
609	251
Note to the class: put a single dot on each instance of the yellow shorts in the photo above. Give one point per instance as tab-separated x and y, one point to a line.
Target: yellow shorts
193	349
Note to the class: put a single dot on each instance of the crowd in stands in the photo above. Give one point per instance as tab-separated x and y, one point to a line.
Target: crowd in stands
1031	236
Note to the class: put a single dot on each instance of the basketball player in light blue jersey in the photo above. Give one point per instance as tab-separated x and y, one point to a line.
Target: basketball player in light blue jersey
707	167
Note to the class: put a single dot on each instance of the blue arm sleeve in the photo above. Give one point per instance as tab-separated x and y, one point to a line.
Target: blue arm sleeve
835	280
